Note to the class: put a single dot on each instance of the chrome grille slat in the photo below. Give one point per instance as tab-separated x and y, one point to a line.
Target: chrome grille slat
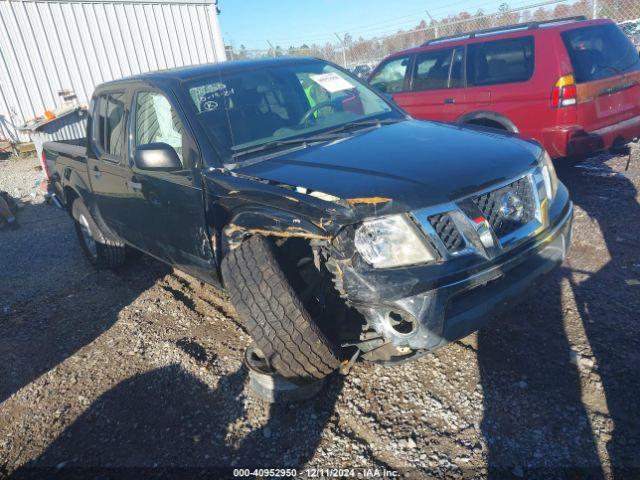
475	225
490	203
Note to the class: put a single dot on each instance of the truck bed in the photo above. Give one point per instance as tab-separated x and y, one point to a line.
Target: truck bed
65	162
77	146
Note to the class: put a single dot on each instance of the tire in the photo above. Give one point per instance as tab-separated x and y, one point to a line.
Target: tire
277	321
98	250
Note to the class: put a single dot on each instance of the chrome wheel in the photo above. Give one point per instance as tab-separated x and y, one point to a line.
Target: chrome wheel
89	242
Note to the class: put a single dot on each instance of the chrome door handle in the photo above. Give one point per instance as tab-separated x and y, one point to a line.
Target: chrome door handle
96	172
449	100
135	186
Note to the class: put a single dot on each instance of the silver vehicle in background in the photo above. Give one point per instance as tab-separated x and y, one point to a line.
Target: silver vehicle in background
631	28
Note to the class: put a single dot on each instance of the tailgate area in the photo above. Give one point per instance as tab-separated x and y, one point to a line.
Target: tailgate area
606	68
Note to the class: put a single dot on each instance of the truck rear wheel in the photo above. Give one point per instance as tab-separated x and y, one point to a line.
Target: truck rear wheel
99	251
279	324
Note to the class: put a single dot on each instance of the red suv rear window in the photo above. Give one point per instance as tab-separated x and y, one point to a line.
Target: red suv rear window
600	51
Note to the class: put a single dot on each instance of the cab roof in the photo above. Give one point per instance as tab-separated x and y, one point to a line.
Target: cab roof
182	74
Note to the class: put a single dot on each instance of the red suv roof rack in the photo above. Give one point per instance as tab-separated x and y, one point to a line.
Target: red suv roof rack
506	28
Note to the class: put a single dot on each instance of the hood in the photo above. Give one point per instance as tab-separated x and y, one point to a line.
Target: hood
413	163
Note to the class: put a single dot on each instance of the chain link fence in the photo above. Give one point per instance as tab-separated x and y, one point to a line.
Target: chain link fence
360	54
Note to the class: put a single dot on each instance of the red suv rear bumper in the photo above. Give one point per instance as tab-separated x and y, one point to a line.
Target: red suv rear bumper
574	141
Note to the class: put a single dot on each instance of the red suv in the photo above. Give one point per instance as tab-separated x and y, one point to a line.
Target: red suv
571	84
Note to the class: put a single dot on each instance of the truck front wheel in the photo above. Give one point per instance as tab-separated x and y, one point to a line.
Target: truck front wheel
98	250
278	322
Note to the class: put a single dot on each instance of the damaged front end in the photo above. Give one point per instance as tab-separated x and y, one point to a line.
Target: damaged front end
418	278
483	253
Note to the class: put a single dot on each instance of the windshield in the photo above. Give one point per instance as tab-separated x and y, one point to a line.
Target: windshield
245	109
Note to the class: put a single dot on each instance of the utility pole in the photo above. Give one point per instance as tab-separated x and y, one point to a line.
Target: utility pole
594	14
272	49
435	24
344	50
231	50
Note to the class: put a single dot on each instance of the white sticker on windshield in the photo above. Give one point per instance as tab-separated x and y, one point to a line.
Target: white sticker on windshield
331	82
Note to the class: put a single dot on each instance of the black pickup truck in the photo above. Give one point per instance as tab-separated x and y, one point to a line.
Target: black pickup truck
339	225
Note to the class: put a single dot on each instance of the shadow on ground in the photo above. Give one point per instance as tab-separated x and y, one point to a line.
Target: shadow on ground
165	417
609	307
132	428
39	335
534	406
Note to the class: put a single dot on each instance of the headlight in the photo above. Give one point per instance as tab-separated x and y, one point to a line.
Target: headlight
392	241
549	175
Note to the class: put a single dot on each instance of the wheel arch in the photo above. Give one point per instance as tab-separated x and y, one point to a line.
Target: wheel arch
487	116
268	222
70	194
75	186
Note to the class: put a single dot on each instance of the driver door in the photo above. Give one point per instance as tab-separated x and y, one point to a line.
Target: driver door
170	204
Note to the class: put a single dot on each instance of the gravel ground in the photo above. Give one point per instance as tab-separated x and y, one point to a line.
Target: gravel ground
143	367
42	254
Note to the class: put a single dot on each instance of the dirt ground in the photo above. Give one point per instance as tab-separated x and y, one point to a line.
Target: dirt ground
142	368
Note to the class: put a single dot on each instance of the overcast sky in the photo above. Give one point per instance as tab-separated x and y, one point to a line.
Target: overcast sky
293	22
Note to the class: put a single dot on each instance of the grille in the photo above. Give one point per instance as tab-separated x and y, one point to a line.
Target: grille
447	231
490	204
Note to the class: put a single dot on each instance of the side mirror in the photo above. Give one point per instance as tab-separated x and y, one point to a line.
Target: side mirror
158	156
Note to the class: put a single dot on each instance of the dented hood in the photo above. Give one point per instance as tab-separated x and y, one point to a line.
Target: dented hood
413	163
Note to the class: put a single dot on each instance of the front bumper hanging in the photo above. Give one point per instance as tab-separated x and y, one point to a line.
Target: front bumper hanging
422	308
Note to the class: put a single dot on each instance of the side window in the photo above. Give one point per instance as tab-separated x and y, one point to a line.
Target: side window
390	77
99	121
108	124
157	121
456	78
113	135
431	71
501	61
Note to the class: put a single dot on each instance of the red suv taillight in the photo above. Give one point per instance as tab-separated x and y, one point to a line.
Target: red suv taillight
45	167
564	92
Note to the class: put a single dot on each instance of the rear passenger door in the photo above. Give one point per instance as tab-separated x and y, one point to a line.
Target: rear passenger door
105	159
498	74
437	85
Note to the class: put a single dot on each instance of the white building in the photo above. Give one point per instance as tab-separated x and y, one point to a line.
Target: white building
48	47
